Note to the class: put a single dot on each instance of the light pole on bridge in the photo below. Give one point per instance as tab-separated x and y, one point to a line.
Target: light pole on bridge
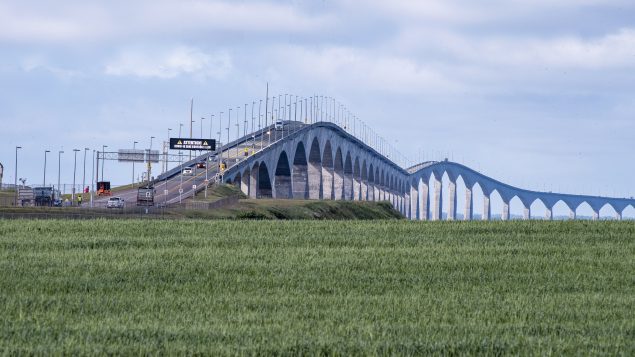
15	184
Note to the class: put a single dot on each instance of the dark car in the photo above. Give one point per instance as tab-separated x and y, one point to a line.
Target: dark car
200	165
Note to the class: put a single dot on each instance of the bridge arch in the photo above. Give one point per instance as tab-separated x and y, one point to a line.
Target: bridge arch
282	178
264	189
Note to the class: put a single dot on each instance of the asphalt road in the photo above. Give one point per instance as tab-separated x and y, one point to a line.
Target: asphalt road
180	187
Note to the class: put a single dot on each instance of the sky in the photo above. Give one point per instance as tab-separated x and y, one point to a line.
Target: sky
535	93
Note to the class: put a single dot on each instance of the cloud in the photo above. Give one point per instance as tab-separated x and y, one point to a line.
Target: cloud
357	68
84	21
170	64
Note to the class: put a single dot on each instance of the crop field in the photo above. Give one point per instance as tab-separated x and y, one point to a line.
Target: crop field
316	287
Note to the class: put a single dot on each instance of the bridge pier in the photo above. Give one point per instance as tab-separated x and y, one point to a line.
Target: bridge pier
505	215
452	198
468	215
618	216
527	213
253	182
244	182
487	209
437	213
596	215
406	205
414	202
572	214
549	213
364	189
424	201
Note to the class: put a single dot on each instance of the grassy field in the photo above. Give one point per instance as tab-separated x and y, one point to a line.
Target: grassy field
311	287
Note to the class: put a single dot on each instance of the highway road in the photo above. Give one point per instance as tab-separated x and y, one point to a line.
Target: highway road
179	187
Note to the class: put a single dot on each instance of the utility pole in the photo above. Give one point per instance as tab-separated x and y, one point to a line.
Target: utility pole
44	180
134	147
84	175
74	175
191	121
15	184
59	167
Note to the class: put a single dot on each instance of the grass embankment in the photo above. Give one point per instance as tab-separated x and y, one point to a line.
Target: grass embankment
379	287
288	209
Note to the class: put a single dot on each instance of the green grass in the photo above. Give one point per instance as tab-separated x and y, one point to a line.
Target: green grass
311	287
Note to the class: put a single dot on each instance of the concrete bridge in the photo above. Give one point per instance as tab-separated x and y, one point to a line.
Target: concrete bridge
324	161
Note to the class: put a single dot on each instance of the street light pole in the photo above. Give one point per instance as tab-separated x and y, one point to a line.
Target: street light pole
150	160
134	147
74	175
168	151
84	175
59	167
15	184
44	180
103	160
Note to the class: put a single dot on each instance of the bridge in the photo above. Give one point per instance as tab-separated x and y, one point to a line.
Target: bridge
328	160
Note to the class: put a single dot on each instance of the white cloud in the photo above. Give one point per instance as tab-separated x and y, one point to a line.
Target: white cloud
612	50
357	68
170	64
73	21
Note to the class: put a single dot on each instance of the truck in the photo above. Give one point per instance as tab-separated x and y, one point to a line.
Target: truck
145	196
44	196
103	188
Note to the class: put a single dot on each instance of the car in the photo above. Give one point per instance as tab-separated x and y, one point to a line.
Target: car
188	171
278	125
200	165
115	202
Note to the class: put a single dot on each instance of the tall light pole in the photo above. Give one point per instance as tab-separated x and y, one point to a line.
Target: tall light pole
103	160
168	150
59	168
191	122
84	175
74	174
44	179
202	118
150	160
134	147
92	181
15	184
220	129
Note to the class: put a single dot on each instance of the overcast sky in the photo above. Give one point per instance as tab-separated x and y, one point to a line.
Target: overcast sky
536	93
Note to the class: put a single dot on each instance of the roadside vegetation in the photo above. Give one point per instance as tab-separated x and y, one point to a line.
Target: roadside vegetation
310	287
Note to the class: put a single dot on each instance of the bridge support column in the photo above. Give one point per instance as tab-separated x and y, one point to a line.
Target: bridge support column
437	214
452	203
364	186
527	213
405	204
596	215
253	182
505	215
327	183
618	216
424	202
414	202
572	214
356	189
244	182
469	204
487	209
549	214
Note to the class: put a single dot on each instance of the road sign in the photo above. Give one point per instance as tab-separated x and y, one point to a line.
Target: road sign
180	190
192	144
130	155
165	192
193	187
